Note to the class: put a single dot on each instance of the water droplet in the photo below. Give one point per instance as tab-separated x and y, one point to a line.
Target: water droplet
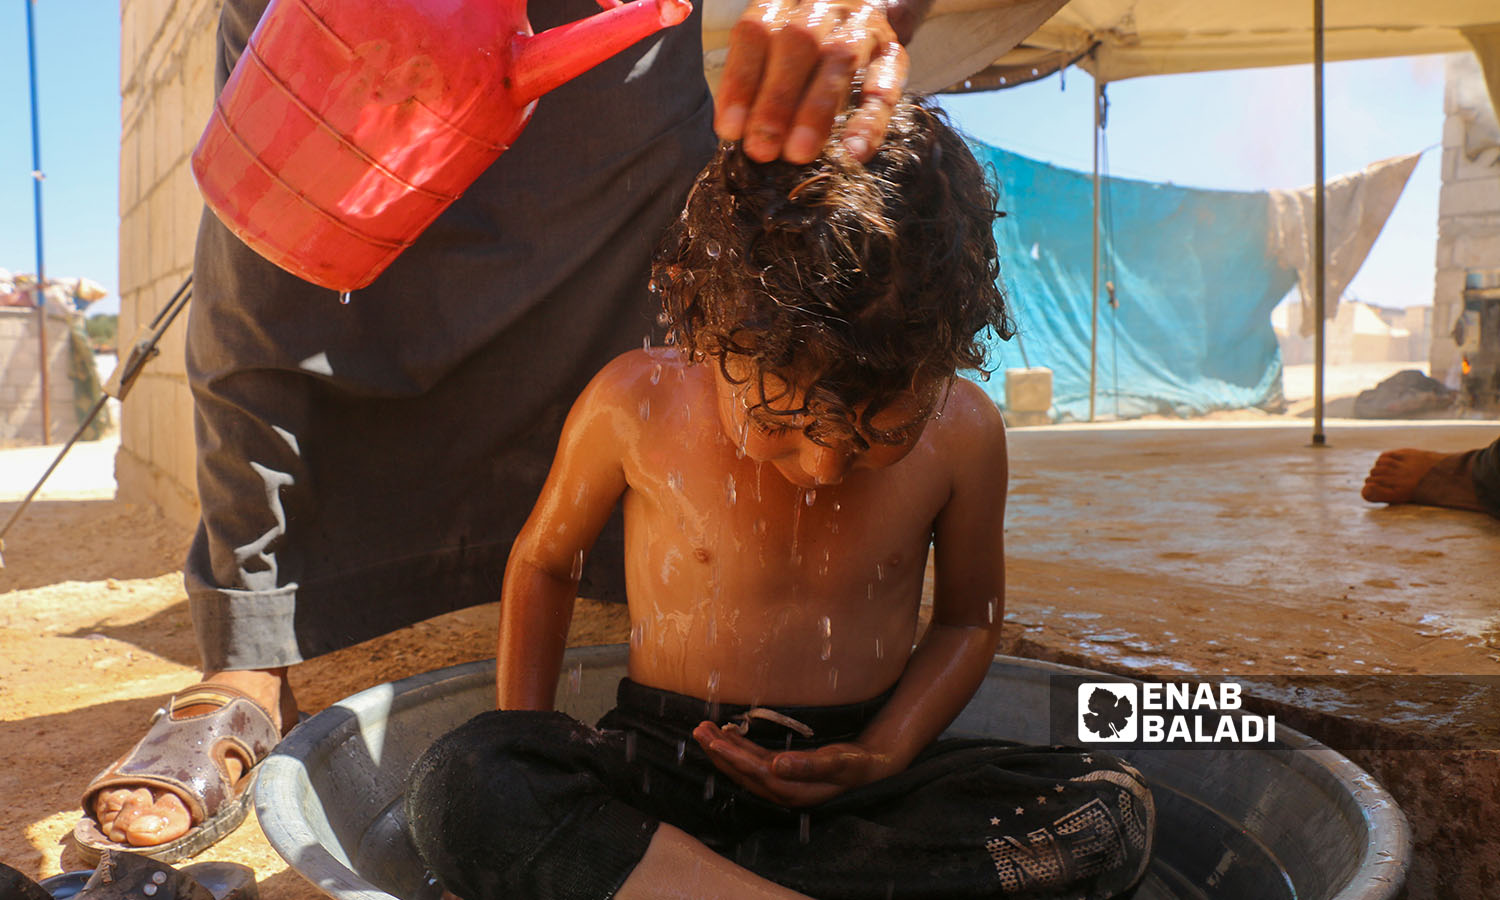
577	565
759	526
879	572
879	649
870	592
833	679
711	248
345	297
637	634
729	493
646	342
826	628
810	496
645	409
713	684
656	374
989	613
681	751
837	506
674	480
575	678
804	829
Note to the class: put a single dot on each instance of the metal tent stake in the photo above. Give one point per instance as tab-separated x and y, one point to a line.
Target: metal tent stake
1319	439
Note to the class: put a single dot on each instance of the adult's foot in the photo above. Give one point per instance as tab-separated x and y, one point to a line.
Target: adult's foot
147	816
1423	477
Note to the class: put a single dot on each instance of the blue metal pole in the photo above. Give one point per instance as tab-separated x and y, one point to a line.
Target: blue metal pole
36	181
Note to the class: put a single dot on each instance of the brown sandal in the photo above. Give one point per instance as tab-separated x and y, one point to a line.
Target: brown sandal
131	876
184	752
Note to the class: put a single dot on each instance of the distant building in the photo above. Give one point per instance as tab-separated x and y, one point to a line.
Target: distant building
1468	206
1360	332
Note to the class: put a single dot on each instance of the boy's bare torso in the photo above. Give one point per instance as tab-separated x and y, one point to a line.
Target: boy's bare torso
747	588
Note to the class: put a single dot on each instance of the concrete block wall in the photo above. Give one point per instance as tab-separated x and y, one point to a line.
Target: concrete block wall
21	378
1468	205
166	93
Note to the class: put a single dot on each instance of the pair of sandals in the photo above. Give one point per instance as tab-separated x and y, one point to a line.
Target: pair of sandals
130	875
185	751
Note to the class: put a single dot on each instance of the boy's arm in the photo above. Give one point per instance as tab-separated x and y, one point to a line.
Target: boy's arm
541	576
954	655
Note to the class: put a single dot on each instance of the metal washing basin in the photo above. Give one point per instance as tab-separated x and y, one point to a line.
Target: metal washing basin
1291	819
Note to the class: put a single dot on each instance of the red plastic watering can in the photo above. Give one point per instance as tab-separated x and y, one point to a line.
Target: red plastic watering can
347	127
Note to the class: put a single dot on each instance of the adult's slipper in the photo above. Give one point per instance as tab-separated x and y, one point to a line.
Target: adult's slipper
122	875
185	752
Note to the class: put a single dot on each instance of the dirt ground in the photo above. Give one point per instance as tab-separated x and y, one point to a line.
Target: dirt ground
95	635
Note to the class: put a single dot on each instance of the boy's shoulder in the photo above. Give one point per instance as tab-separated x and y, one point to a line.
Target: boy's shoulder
967	417
636	374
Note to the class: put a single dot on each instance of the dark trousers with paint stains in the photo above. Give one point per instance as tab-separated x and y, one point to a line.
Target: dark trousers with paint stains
539	805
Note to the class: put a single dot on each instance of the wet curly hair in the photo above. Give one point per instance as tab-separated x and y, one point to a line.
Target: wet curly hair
854	282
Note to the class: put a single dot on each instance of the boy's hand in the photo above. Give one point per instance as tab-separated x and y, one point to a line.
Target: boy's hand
792	64
792	778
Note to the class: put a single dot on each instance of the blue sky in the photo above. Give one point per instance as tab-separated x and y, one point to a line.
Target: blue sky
1248	130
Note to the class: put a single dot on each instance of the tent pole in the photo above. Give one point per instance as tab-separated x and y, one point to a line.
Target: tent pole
41	279
1094	329
1319	439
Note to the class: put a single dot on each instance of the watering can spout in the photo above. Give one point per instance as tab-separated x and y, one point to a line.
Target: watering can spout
544	61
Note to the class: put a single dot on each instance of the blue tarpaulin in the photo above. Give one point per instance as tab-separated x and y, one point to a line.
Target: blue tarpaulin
1195	278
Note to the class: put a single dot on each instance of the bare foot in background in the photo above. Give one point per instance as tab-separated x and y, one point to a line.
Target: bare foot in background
1423	477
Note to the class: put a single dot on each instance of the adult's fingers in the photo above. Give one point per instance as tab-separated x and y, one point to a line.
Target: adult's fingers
850	47
795	51
879	92
749	46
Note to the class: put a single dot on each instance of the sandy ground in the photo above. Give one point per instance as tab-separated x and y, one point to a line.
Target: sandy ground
95	635
1134	549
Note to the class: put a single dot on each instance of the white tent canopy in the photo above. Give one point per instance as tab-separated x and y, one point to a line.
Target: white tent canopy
997	42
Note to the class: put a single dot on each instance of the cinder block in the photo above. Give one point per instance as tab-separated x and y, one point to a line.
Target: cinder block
169	145
1028	390
159	231
130	44
1477	250
1485	165
187	208
1023	419
1475	196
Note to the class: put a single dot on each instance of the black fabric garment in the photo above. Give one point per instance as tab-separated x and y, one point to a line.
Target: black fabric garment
365	466
538	806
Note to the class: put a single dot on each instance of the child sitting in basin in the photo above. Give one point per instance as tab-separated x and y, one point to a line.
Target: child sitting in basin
783	471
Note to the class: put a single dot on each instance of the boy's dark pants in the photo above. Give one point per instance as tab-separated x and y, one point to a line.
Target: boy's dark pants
540	806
